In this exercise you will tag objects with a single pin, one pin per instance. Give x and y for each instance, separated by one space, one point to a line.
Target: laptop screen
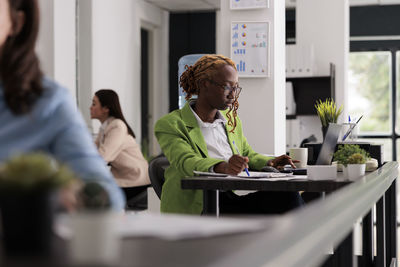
329 144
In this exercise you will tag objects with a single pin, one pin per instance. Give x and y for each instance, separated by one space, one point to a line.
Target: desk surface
142 251
213 183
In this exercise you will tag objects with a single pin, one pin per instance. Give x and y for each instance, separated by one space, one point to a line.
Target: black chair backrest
157 168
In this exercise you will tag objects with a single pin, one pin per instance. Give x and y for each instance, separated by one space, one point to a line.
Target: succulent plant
350 154
31 172
356 158
94 197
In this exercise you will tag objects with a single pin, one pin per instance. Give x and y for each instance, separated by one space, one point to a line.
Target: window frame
391 46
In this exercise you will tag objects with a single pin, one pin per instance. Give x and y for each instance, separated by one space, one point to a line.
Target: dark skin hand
234 166
281 161
237 164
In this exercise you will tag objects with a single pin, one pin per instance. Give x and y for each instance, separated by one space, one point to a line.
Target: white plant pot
321 172
354 171
94 238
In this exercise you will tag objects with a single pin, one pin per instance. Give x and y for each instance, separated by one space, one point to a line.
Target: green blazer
182 142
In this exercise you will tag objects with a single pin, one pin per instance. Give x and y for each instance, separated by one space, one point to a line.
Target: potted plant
28 186
328 113
353 159
95 238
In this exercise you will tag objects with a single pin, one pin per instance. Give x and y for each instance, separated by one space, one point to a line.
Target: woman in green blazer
209 125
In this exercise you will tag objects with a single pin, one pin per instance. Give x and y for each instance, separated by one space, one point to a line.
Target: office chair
157 168
138 202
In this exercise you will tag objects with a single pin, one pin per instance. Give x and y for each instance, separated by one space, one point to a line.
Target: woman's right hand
235 165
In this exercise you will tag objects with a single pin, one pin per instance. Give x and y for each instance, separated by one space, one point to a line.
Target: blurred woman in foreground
37 114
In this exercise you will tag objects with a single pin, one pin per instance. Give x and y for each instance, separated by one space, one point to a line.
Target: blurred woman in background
116 143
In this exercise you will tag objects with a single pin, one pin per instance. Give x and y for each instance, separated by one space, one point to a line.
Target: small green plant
327 111
350 154
93 197
356 158
33 172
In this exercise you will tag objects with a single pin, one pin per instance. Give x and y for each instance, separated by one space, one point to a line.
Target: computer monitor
328 146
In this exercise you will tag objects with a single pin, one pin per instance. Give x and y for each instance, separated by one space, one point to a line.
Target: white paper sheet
264 175
255 175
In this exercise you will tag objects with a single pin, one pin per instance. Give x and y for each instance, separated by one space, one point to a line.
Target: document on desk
270 176
264 175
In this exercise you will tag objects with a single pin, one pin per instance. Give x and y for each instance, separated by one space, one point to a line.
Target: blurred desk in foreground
161 240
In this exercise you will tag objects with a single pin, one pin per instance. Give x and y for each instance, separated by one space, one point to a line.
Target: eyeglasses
227 88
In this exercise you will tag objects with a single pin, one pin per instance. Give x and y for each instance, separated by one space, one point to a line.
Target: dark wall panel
375 20
189 33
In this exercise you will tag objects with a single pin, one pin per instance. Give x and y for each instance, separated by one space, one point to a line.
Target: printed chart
249 48
249 4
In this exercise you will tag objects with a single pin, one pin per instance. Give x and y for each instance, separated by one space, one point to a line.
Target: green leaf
327 111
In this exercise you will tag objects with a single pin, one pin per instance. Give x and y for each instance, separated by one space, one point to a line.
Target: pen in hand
237 151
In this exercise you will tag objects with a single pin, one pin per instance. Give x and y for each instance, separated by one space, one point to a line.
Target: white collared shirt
215 136
103 128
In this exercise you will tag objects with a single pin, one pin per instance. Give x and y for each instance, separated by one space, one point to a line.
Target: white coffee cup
300 154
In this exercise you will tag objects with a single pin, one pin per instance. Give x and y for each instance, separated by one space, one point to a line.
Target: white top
215 136
103 128
120 149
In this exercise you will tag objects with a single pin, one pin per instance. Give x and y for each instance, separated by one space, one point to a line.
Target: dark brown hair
205 69
109 98
19 66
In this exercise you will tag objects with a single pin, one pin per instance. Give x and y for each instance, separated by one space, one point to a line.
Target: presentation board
249 4
250 48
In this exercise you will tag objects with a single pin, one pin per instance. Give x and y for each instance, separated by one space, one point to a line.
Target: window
369 91
372 94
374 77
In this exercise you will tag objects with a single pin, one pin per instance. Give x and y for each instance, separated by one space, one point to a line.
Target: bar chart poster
249 4
250 47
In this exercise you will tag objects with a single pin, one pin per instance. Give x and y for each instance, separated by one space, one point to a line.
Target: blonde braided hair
205 69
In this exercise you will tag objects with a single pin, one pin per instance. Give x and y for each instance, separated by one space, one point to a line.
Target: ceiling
197 5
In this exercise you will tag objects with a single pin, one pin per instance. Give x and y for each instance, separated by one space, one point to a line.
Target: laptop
327 149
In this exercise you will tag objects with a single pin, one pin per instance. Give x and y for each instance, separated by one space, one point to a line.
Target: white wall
45 42
65 44
110 56
56 42
325 24
262 101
